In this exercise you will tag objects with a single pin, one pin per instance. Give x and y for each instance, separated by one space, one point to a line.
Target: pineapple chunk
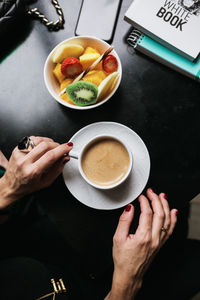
58 74
90 50
95 77
88 59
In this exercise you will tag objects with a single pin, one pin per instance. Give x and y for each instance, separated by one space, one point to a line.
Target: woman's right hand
32 171
133 253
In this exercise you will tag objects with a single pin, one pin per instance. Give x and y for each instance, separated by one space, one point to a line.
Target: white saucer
125 193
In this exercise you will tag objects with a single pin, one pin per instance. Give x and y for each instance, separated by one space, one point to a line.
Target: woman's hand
132 253
32 171
3 160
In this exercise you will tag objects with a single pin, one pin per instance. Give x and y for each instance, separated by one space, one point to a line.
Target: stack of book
167 30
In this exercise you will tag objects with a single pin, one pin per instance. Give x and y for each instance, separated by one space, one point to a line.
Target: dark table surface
160 105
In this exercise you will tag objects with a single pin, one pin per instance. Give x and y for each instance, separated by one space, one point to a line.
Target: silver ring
163 229
31 142
25 143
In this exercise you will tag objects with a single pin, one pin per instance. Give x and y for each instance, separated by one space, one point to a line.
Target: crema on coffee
105 162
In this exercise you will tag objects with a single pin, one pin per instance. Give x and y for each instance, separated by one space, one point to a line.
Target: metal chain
52 26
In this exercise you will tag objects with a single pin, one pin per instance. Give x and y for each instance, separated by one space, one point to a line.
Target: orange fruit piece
63 85
58 74
66 98
99 66
95 77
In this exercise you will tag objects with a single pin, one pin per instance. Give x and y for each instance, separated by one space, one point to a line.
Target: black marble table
159 104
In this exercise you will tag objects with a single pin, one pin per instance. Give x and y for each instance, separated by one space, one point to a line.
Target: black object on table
160 105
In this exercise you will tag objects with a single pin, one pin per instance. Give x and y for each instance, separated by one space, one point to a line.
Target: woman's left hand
133 253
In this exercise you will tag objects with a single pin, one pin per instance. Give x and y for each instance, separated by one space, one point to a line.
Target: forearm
124 288
7 197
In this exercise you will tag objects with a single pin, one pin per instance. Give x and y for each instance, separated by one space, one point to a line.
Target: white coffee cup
79 156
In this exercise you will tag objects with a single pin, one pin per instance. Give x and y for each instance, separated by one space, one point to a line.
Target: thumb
124 224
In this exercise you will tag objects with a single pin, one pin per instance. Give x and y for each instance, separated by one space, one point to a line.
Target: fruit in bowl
82 60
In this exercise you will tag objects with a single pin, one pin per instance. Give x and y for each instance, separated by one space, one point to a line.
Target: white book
173 23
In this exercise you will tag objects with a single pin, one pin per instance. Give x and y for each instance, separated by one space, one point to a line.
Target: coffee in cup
105 162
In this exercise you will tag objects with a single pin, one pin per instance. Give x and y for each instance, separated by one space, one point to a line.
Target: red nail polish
151 190
176 212
70 144
128 207
165 196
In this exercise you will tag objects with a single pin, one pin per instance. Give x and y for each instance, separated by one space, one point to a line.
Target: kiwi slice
82 93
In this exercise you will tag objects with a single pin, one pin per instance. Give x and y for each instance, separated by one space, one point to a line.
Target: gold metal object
52 26
47 295
62 285
58 287
164 230
54 285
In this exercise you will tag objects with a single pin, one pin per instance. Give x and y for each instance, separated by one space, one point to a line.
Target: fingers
50 157
124 224
158 214
167 219
162 218
43 156
173 215
38 139
40 150
145 221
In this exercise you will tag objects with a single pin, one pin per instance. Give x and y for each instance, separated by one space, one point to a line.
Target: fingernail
70 144
176 212
66 160
151 190
128 207
165 196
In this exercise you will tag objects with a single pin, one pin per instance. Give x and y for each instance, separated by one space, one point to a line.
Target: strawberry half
110 64
71 67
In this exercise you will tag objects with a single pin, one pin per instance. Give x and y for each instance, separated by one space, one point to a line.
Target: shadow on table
13 35
173 275
109 111
33 242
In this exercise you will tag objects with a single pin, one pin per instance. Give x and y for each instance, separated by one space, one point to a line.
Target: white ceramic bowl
53 85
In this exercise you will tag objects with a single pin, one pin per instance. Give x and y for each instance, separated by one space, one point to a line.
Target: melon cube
66 50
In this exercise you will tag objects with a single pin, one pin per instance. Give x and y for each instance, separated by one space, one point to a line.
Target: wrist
7 196
124 287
